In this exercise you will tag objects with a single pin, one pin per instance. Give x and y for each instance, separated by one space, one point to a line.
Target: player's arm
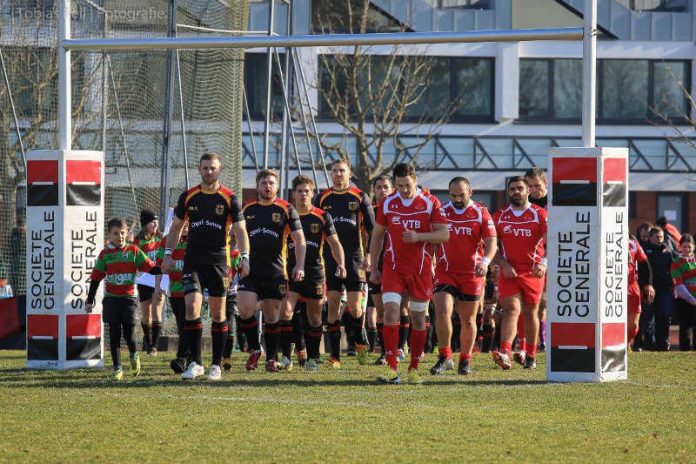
490 248
298 239
172 239
338 255
539 268
241 237
366 228
505 267
97 275
645 279
439 234
376 244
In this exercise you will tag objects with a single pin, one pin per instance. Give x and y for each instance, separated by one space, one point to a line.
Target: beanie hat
147 216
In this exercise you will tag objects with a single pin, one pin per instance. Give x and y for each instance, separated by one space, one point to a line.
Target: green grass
343 415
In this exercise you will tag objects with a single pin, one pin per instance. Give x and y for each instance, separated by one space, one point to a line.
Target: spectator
684 274
5 289
660 259
672 235
643 234
18 240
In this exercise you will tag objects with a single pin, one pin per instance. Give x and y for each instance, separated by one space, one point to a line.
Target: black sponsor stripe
42 195
614 195
613 360
82 195
574 194
82 348
572 360
42 349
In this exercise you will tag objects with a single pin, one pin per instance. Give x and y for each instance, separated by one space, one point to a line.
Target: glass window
672 207
474 87
669 90
567 88
534 89
675 6
255 83
470 4
342 16
624 89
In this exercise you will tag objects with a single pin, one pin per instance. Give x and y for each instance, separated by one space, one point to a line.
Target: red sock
463 356
505 347
532 351
416 347
633 334
445 352
390 337
522 344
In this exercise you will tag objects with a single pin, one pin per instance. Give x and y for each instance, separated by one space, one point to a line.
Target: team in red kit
423 259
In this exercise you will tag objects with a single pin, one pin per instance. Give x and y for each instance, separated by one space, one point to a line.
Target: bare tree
377 99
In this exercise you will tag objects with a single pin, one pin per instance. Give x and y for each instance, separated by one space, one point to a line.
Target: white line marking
572 347
575 181
83 183
42 337
84 337
43 183
615 182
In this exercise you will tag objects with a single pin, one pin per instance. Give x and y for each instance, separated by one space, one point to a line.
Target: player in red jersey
639 276
521 228
412 221
462 264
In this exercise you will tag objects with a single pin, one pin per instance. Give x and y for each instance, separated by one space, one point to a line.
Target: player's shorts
265 288
198 276
312 289
418 286
526 285
145 293
464 287
634 304
116 310
355 275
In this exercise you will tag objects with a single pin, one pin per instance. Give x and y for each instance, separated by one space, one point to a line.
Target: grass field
343 415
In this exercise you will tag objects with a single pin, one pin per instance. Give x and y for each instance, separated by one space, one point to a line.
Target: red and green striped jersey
684 272
176 275
149 245
119 267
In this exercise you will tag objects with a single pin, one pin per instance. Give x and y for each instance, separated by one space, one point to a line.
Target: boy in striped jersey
119 263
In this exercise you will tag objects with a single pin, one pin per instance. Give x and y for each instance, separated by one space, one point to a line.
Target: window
468 4
673 207
346 16
255 83
467 83
674 6
628 91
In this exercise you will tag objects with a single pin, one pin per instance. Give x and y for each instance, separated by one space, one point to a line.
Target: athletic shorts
265 288
464 287
198 276
355 276
418 286
117 310
634 304
526 285
145 293
312 289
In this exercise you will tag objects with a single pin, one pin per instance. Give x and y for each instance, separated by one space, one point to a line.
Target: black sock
487 332
380 342
129 337
299 322
271 334
250 327
115 344
241 336
147 343
193 331
218 333
404 326
359 329
371 338
313 342
231 338
334 331
286 336
179 310
156 332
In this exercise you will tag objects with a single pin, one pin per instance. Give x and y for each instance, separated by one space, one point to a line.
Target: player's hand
167 264
375 276
410 236
341 272
481 269
89 307
298 274
649 294
509 271
539 270
244 268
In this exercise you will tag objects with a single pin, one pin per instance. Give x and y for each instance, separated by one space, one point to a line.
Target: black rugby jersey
210 216
317 225
268 227
351 211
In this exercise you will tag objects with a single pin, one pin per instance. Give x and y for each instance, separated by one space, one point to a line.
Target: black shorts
355 277
145 293
116 310
456 293
312 289
272 289
489 289
214 277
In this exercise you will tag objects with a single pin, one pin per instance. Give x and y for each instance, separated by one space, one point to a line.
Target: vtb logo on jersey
517 232
275 217
459 230
219 210
352 205
314 228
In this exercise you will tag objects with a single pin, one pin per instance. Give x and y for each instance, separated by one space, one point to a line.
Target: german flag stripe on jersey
574 182
83 182
614 188
42 183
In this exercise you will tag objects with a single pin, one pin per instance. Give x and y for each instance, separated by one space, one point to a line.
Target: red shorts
525 285
418 286
634 304
466 284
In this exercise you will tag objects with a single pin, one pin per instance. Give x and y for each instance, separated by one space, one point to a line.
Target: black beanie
147 216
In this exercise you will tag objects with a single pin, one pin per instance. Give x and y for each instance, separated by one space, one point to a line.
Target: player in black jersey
318 228
354 219
211 211
269 221
538 194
